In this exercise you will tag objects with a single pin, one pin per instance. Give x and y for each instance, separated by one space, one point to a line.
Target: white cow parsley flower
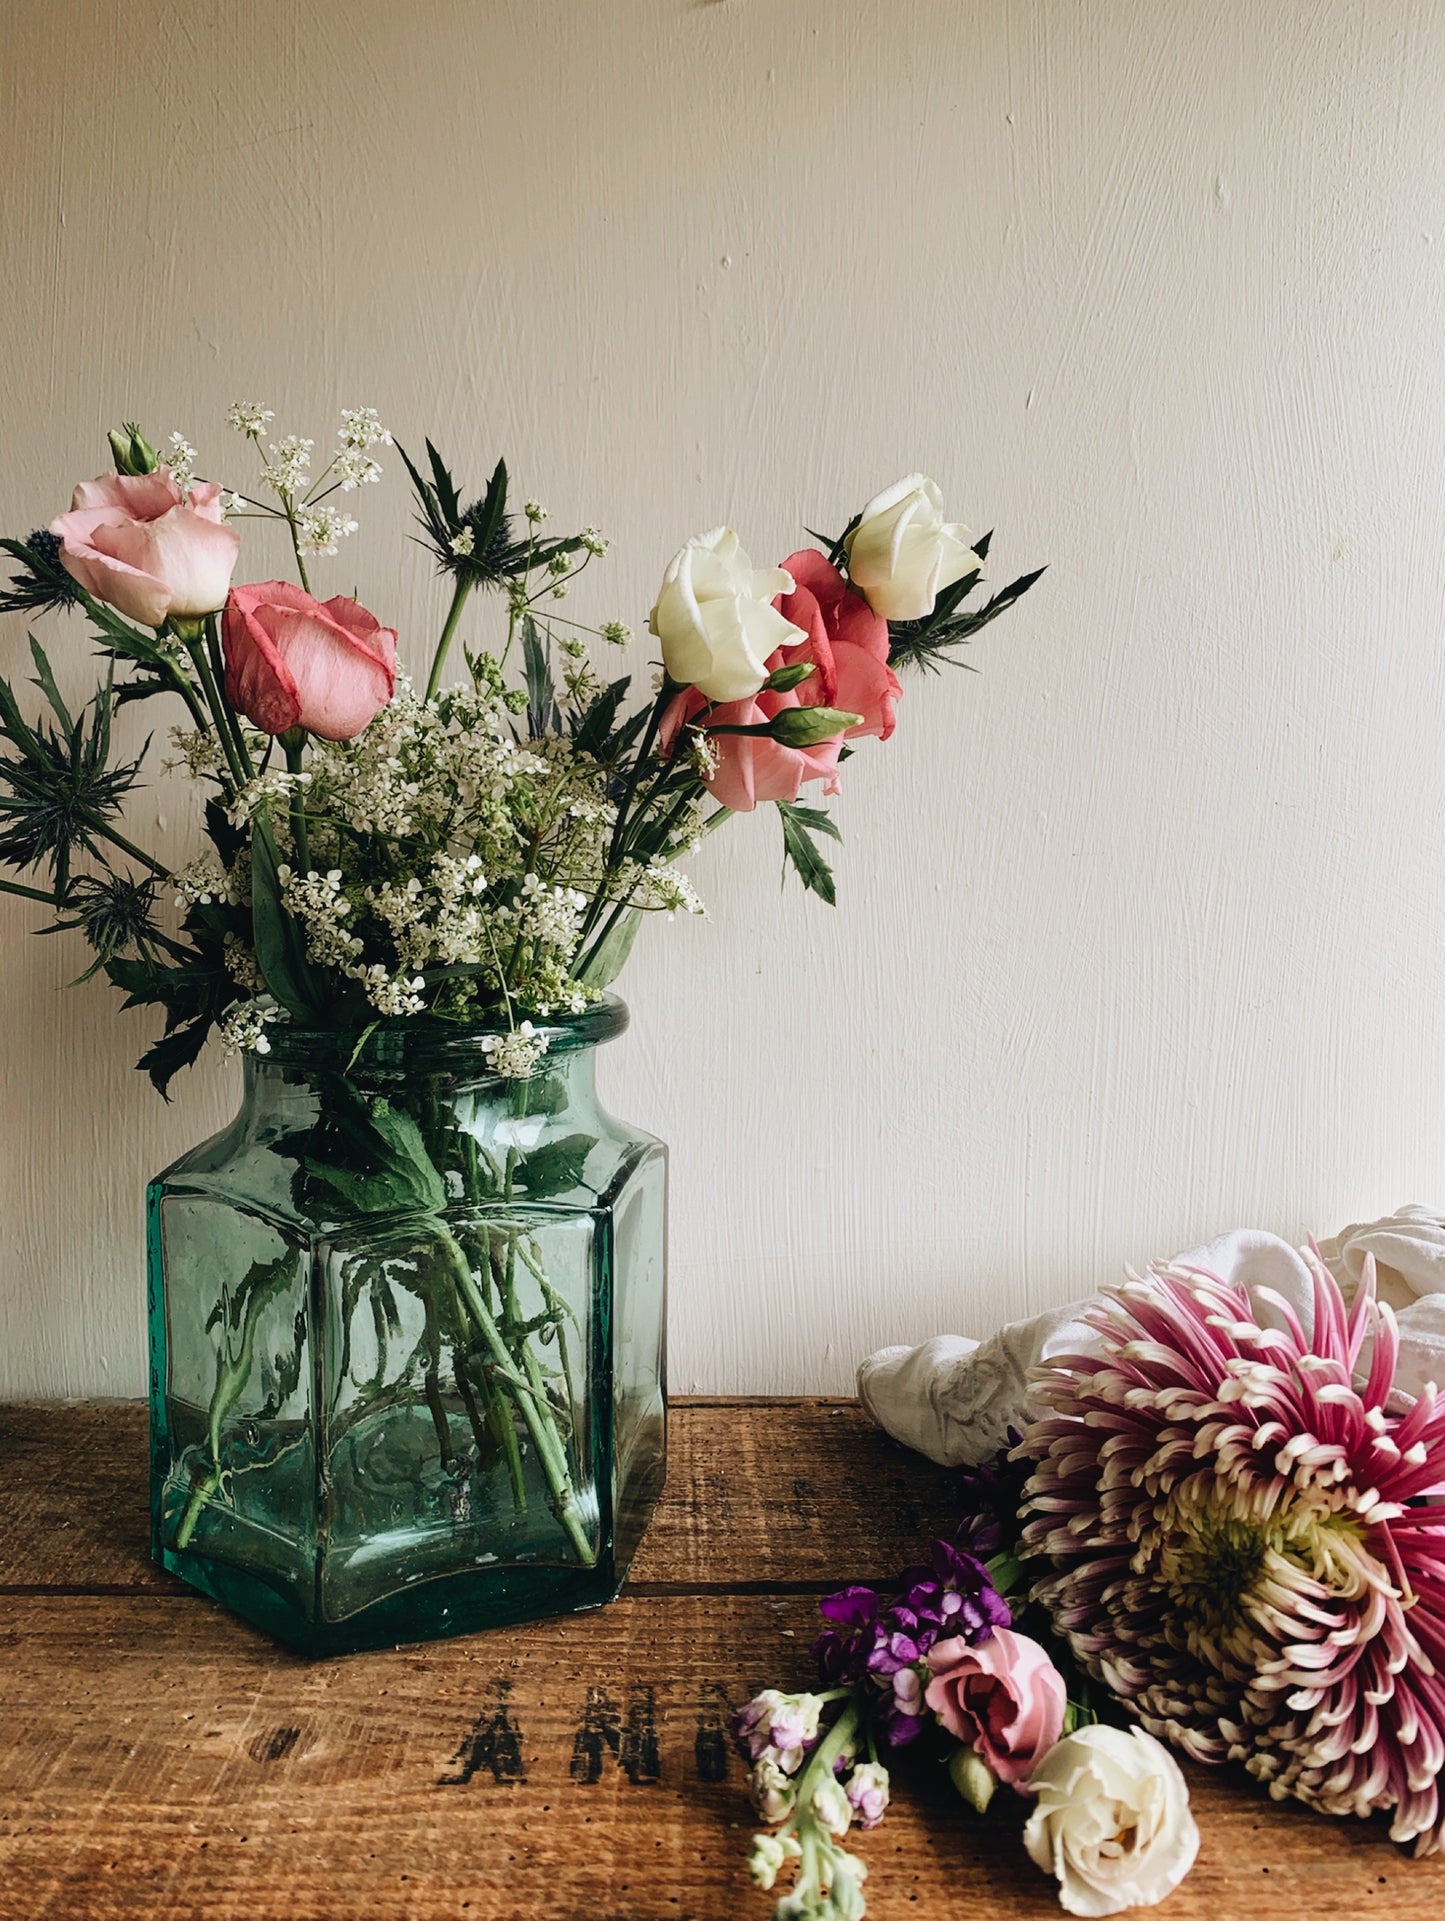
248 418
319 530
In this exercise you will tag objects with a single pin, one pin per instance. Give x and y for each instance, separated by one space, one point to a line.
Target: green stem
225 715
139 854
454 614
296 544
579 967
28 893
535 1413
231 746
293 745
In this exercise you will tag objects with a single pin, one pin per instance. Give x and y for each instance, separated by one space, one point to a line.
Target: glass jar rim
423 1043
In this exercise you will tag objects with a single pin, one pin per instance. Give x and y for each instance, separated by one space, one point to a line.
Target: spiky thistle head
1242 1544
479 544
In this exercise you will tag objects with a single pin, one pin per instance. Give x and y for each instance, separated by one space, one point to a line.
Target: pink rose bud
137 541
1002 1697
291 661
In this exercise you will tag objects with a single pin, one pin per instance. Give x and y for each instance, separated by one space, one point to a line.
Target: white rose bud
715 617
1111 1820
902 553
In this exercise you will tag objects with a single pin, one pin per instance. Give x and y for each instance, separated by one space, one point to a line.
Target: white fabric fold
954 1399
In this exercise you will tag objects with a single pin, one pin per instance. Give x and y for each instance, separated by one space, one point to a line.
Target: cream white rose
903 553
1111 1820
715 617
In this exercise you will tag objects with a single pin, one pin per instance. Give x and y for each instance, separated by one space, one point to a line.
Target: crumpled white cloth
955 1399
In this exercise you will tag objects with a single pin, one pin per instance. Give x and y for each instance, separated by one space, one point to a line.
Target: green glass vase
407 1338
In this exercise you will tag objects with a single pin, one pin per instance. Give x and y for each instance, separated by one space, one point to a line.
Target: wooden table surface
160 1759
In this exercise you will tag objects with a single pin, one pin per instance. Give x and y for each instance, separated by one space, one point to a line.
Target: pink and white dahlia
1245 1540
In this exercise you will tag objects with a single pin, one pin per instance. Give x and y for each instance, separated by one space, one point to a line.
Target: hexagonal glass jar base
407 1328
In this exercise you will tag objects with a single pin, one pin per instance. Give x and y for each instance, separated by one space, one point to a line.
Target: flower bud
971 1776
771 1790
132 452
787 678
867 1791
832 1807
810 726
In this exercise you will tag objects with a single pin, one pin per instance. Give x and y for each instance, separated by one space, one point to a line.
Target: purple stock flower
843 1650
992 1500
884 1640
954 1597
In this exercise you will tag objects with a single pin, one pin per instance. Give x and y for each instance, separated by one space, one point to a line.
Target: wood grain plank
757 1492
162 1761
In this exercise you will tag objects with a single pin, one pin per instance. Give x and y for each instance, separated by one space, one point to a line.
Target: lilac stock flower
867 1791
778 1727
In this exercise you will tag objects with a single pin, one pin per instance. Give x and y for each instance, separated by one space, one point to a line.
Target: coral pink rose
751 768
291 661
138 542
847 643
1002 1697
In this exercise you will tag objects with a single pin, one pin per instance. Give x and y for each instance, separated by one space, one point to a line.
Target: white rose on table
1111 1820
902 554
716 620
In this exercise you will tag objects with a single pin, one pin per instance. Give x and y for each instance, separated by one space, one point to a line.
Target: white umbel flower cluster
514 1056
243 1031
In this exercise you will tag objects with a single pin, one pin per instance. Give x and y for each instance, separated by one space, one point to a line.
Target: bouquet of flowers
470 851
1222 1529
479 849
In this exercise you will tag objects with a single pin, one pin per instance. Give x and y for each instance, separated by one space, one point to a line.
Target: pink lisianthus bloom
291 661
846 645
1002 1697
151 551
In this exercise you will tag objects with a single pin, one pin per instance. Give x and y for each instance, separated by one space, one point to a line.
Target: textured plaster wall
1140 928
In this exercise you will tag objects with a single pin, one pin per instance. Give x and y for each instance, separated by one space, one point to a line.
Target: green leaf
372 1155
817 820
446 487
596 724
991 609
227 839
488 520
537 672
609 959
798 848
555 1168
175 1050
280 951
45 681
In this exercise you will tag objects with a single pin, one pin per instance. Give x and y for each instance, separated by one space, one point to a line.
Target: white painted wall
1140 929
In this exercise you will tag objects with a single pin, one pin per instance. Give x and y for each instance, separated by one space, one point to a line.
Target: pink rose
751 768
141 544
1003 1697
291 661
847 643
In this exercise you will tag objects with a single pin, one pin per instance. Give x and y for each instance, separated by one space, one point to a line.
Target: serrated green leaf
555 1168
173 1051
798 848
537 673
